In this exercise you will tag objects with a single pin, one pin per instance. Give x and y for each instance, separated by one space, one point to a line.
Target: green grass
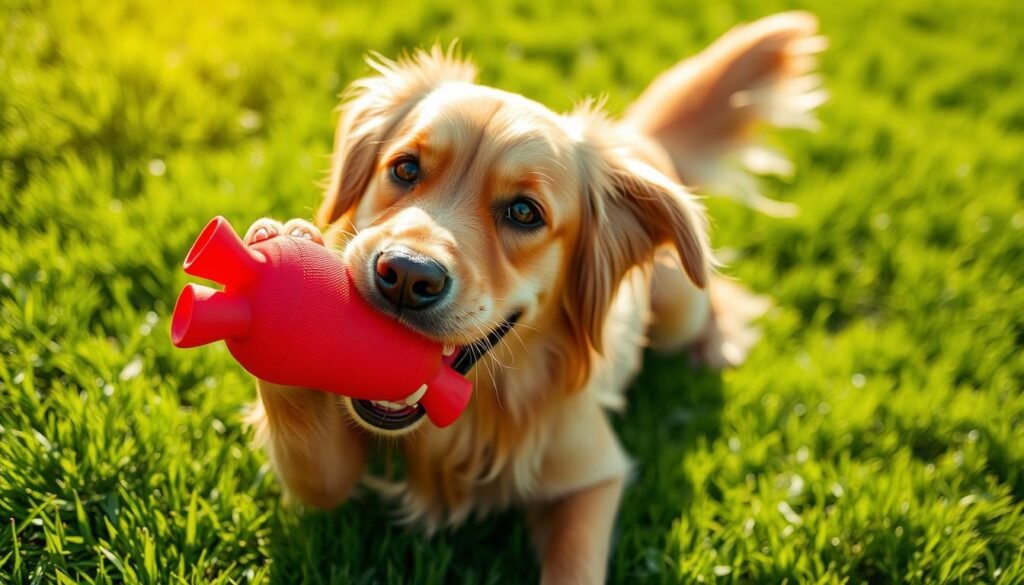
877 434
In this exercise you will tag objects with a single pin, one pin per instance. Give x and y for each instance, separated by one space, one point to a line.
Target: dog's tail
707 110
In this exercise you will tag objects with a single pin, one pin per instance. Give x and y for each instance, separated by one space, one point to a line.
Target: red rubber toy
291 315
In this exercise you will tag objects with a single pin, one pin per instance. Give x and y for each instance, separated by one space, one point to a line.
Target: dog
548 249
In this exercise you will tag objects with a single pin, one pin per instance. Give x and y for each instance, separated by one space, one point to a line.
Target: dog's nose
410 280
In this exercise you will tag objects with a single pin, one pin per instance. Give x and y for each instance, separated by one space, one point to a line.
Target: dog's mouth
388 416
401 416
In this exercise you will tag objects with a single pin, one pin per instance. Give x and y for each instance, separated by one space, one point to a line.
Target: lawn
876 434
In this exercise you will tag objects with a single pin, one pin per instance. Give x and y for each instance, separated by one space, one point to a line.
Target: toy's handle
447 396
218 254
203 315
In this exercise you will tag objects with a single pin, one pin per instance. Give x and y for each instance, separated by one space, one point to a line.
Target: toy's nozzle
220 255
447 396
203 315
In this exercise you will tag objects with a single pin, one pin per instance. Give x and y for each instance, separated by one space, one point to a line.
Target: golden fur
592 284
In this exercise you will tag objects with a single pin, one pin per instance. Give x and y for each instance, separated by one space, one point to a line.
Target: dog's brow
528 161
528 179
474 150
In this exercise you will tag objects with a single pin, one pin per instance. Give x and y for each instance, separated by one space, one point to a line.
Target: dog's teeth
389 405
416 396
448 349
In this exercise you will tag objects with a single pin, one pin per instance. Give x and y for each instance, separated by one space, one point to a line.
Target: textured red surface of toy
291 315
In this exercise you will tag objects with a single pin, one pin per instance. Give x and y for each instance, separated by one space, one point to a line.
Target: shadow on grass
671 407
360 543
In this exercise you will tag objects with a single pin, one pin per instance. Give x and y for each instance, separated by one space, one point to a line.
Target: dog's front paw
300 228
263 229
266 228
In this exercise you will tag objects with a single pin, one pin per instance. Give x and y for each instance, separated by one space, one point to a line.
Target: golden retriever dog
547 251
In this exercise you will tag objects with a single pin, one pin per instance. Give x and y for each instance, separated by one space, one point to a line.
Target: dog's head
464 208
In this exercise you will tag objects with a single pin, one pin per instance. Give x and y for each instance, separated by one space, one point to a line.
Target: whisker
483 335
497 395
504 343
479 353
524 326
494 382
519 338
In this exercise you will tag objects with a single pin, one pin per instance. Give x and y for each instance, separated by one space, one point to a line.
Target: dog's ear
629 209
371 112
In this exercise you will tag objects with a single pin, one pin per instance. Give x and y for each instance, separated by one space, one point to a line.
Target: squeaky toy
290 314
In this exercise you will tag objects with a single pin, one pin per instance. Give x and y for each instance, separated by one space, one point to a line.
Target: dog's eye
406 171
524 213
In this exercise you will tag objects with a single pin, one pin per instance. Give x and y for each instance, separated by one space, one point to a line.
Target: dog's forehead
509 133
458 113
453 93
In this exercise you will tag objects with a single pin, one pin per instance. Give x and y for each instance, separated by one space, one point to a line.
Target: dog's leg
679 310
715 323
578 491
573 534
317 454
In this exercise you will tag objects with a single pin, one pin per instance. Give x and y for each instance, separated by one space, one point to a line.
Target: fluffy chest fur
523 439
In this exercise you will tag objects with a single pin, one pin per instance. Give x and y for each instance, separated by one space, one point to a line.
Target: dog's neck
526 370
516 386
